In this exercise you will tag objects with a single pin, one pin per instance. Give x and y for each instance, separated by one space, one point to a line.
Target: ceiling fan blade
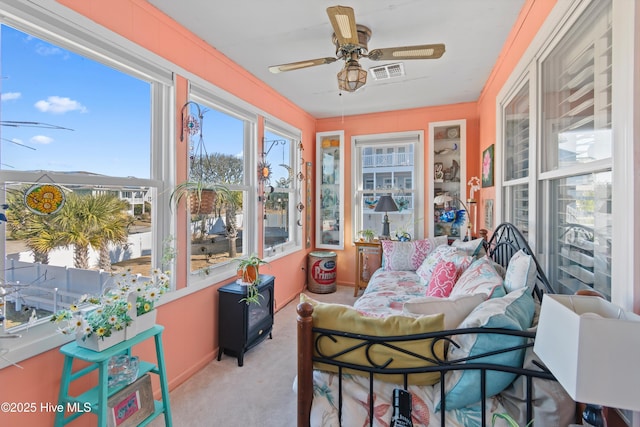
343 22
300 64
424 51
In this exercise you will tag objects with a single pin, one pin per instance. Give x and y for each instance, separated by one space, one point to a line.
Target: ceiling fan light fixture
352 77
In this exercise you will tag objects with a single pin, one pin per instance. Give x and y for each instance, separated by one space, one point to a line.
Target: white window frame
60 26
625 196
206 95
295 190
357 186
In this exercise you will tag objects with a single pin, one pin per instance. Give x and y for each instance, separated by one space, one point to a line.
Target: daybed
466 362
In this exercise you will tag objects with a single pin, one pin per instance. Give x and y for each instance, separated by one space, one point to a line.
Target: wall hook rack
273 142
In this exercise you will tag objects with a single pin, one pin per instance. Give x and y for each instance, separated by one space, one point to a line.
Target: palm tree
114 231
35 230
231 201
92 221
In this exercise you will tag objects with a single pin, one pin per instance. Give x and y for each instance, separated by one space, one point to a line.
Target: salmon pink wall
417 119
190 337
531 17
186 352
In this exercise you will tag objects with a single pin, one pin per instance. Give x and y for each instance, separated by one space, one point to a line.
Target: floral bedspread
355 407
387 291
386 294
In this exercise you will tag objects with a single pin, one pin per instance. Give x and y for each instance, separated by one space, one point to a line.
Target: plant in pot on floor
249 275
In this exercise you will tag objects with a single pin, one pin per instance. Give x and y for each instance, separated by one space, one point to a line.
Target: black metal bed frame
505 241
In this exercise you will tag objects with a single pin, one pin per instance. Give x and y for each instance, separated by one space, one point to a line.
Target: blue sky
108 112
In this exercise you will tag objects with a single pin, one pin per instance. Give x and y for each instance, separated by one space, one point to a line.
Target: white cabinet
446 173
330 190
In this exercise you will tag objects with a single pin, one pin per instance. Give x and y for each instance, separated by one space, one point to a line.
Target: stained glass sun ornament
192 124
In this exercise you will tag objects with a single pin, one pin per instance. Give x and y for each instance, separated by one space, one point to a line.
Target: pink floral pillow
442 253
408 256
442 280
480 277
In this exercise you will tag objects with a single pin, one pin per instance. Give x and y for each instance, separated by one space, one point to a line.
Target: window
573 181
220 153
388 163
80 131
516 159
576 153
283 207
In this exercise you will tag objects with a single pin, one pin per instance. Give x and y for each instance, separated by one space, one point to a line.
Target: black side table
242 326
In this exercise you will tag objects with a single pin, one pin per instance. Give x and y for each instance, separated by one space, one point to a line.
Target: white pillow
455 309
521 272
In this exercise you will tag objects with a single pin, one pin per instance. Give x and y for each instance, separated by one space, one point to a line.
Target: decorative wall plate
44 199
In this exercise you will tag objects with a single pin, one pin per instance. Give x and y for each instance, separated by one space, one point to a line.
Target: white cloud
47 50
41 139
10 96
59 105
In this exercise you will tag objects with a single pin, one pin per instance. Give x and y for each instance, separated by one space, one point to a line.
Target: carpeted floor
257 394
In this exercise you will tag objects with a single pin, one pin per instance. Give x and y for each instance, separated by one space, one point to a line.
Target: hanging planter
200 194
202 203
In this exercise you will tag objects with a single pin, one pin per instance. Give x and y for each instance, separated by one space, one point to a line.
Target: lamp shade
386 204
352 77
592 347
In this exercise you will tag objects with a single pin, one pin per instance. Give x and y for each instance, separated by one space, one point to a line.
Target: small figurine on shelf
455 168
439 172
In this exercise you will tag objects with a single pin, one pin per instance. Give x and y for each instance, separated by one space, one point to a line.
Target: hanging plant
201 195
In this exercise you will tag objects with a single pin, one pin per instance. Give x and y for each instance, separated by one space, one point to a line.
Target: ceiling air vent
388 71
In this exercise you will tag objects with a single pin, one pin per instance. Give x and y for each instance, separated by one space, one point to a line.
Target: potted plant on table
367 235
97 322
249 275
118 309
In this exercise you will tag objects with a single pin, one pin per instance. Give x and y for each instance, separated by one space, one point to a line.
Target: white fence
55 285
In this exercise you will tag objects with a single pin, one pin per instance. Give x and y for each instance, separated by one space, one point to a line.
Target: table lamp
592 347
386 204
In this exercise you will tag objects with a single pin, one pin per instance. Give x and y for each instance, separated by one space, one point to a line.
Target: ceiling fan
351 42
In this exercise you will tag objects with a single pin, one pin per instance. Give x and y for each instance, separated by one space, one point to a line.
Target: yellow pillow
347 319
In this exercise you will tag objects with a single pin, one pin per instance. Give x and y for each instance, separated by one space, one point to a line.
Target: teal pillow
513 311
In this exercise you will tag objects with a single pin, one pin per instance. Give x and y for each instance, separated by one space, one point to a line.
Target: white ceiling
258 33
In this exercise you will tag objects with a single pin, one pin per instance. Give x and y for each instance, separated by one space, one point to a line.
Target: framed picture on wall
488 214
487 167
